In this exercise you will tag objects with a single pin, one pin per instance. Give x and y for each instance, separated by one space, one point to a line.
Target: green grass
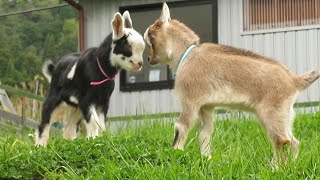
240 151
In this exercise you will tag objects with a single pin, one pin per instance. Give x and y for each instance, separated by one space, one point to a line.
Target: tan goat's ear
117 26
165 13
127 20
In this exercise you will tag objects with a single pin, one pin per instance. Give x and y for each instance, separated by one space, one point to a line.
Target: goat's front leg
102 118
206 118
182 128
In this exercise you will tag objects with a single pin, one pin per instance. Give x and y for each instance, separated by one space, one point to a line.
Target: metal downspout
81 22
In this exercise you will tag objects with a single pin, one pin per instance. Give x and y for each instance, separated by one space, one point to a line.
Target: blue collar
183 58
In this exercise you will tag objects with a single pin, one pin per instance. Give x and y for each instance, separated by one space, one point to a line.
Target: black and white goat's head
128 44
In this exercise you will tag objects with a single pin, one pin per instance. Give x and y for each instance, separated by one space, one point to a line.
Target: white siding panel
247 42
89 32
174 105
122 109
301 51
134 103
161 94
268 45
278 48
97 18
105 19
114 102
235 21
312 55
257 44
289 51
224 16
302 61
154 100
163 101
318 61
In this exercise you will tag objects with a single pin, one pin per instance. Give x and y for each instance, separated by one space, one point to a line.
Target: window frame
167 84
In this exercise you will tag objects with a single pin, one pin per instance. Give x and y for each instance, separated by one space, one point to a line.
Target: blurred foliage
28 39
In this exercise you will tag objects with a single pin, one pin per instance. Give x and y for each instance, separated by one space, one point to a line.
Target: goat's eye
128 45
151 38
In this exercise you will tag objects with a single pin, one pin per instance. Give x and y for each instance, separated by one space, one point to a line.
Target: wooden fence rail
18 122
21 93
9 118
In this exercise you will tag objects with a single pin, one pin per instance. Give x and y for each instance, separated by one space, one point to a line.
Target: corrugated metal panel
235 22
224 16
290 50
257 44
246 42
318 61
298 50
278 47
268 45
301 61
312 47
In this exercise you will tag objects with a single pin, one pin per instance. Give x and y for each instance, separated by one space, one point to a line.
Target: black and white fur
70 79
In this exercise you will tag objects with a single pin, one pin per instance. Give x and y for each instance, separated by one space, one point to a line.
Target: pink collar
105 75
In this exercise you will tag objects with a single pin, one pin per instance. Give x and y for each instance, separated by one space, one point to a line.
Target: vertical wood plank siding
267 14
296 49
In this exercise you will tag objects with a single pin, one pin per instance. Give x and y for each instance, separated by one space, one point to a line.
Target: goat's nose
140 64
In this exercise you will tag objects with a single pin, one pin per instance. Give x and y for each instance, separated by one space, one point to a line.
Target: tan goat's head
157 40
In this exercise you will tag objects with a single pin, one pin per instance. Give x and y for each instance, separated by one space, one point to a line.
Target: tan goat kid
215 75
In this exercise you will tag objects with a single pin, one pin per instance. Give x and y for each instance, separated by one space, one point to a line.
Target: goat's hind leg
42 134
92 120
294 142
70 130
278 124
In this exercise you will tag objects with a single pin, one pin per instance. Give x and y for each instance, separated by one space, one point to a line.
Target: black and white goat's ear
127 20
117 26
165 13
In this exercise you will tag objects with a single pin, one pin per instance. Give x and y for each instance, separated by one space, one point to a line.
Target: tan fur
217 75
70 129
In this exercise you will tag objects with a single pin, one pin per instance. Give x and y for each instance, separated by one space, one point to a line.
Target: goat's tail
47 69
306 79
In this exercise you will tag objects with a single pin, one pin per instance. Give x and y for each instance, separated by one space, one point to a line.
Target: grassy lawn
240 151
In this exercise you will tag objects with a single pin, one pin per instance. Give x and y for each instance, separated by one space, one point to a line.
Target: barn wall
297 49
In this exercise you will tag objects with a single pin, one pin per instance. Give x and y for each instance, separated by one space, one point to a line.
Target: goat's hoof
40 144
209 157
178 148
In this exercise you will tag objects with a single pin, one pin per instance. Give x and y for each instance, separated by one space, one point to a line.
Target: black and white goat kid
85 80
